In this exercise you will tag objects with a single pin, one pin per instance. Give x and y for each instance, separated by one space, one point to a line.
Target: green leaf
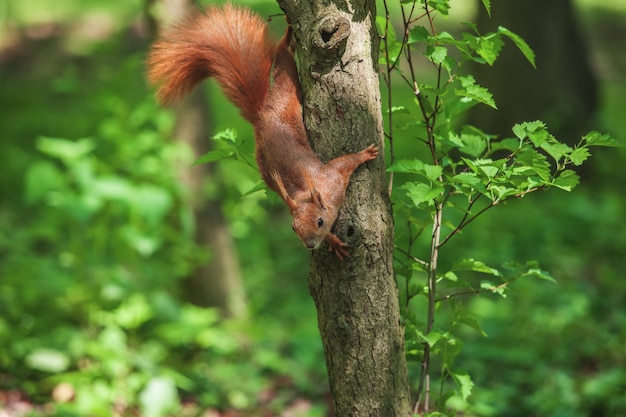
159 398
445 37
536 129
487 5
413 166
476 266
394 46
579 155
473 145
48 360
489 170
538 273
496 289
259 186
227 135
42 179
441 6
472 90
133 312
520 43
451 276
430 338
471 25
400 109
508 144
418 34
422 193
473 323
64 149
594 138
489 48
536 161
567 180
556 149
433 172
498 192
467 178
215 155
464 382
436 53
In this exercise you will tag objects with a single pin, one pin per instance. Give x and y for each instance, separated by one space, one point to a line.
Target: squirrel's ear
282 191
317 198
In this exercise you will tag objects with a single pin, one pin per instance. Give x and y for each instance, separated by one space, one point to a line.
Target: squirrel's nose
311 244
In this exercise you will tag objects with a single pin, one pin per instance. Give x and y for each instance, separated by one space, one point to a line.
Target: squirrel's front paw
371 152
337 245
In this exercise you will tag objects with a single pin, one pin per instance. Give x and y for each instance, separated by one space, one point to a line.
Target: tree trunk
218 282
562 91
356 300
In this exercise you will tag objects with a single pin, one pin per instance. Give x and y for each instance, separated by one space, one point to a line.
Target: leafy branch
465 168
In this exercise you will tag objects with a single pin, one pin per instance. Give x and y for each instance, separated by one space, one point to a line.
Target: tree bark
356 300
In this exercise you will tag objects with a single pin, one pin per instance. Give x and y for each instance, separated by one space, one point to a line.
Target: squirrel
259 75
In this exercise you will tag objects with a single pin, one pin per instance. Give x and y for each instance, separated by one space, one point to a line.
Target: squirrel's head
312 217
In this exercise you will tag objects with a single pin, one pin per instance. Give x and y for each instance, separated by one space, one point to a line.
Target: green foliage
461 173
96 238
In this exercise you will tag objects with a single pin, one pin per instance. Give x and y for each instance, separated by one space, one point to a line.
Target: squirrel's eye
320 222
293 227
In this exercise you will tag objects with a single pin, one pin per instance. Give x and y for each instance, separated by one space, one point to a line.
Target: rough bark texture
356 300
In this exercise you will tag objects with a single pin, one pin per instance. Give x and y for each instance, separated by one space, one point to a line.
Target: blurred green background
103 286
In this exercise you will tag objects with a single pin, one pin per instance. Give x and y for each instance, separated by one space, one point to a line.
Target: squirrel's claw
337 245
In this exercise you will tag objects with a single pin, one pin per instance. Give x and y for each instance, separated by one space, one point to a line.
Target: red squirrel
259 76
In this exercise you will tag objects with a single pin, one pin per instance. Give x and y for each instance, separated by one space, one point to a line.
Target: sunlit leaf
579 155
536 161
436 53
520 43
489 48
522 130
441 6
473 323
48 360
414 166
473 145
464 382
472 90
433 172
491 287
476 266
487 6
556 149
594 138
467 178
64 149
159 398
422 193
394 47
215 155
418 34
567 180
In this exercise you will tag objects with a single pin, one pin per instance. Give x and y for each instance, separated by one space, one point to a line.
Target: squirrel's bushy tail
227 43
